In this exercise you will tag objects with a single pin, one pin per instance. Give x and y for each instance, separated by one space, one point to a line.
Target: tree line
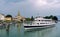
46 17
55 18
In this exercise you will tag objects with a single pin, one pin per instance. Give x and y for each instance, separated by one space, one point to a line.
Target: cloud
44 3
31 7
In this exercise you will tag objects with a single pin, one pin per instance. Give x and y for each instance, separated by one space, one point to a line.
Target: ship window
39 20
42 23
36 20
37 23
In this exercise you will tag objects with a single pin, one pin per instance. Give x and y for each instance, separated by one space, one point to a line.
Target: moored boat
40 22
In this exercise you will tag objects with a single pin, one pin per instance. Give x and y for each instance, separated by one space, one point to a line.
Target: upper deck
41 19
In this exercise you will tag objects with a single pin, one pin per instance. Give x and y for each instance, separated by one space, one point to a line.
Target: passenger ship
40 22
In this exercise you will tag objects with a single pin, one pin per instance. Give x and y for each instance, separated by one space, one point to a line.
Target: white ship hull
38 26
40 22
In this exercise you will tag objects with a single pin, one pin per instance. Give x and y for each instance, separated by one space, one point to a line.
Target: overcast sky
29 8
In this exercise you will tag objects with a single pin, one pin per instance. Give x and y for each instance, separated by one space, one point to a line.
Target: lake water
17 30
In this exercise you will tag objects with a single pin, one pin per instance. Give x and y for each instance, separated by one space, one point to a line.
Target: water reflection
20 30
18 26
7 30
13 30
17 30
39 33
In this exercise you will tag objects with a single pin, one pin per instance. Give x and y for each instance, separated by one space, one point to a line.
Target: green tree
55 18
32 18
51 17
8 16
28 19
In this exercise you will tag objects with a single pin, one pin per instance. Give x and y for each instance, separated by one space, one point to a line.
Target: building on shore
2 17
19 17
8 18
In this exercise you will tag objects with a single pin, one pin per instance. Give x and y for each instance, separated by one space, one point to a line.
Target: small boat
40 22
